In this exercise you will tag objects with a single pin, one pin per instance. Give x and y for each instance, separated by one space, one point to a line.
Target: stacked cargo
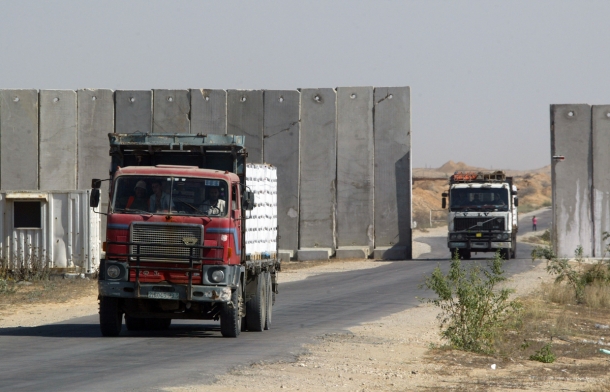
261 223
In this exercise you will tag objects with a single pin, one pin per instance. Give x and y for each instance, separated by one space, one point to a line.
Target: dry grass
561 294
49 291
597 296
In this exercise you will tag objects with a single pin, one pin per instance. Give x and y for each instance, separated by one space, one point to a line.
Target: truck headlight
502 236
456 236
113 272
217 276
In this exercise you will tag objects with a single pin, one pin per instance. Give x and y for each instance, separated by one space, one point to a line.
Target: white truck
482 213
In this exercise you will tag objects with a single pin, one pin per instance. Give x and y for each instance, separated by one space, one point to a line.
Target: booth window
26 214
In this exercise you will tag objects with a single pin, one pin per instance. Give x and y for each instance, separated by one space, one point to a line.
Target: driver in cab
213 205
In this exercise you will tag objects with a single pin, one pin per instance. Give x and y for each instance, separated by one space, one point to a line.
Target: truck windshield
463 199
176 195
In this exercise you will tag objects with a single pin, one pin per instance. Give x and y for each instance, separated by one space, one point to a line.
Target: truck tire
505 254
464 254
230 317
268 315
256 307
111 317
135 323
514 254
157 324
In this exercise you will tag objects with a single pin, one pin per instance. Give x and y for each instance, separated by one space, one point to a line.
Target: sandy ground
390 354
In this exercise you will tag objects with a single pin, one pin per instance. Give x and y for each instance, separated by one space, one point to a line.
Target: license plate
479 235
162 295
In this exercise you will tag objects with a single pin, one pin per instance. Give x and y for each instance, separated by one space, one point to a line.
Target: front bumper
198 293
482 245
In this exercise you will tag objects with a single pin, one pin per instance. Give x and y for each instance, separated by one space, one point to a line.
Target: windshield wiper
133 211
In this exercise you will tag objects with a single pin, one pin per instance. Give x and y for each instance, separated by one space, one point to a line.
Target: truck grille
165 234
472 224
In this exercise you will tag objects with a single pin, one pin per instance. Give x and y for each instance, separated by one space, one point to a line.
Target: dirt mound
451 167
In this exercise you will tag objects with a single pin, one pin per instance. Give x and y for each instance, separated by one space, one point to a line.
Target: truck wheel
514 253
465 254
111 317
135 323
255 308
157 324
269 300
230 317
505 254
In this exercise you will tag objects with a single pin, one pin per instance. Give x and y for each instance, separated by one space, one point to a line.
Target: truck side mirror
516 202
96 183
444 202
248 200
94 199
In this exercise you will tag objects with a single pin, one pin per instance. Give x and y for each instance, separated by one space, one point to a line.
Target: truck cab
482 214
175 237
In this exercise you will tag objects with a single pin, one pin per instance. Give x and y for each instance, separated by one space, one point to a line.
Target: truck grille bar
173 241
478 223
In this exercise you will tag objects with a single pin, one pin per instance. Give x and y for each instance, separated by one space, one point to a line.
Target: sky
482 73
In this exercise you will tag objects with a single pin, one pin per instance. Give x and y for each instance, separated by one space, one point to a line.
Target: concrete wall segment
571 178
245 117
133 111
208 111
318 181
18 139
281 149
392 130
95 122
355 167
600 117
58 140
171 111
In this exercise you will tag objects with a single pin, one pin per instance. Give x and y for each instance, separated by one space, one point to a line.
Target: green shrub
472 309
544 355
6 287
578 276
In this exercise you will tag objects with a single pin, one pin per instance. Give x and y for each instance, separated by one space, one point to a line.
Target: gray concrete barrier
19 139
208 112
57 143
343 156
392 173
281 149
571 178
355 172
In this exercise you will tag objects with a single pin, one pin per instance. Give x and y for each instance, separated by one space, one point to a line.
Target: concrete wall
343 156
355 166
19 139
281 149
579 134
392 172
318 189
600 117
57 140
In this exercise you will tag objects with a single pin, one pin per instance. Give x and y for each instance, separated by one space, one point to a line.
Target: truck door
236 215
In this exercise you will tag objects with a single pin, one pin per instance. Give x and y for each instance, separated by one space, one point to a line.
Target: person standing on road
534 223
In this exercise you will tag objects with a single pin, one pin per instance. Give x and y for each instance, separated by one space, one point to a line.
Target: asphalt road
71 356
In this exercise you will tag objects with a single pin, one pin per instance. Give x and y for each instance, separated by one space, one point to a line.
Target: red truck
184 237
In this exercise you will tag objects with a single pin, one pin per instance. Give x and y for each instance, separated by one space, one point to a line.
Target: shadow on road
93 331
